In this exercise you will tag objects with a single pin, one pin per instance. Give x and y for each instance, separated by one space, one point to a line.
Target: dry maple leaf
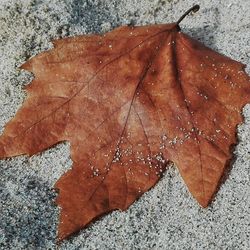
129 102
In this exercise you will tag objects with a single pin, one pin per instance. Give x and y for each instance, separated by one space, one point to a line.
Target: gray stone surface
167 217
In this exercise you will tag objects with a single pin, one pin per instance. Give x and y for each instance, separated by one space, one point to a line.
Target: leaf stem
194 9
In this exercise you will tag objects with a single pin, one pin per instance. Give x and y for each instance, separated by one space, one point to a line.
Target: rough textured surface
166 217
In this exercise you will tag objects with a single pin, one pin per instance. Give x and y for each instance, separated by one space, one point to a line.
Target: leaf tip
204 202
26 66
66 228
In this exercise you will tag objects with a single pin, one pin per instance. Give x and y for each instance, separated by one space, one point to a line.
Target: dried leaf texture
129 102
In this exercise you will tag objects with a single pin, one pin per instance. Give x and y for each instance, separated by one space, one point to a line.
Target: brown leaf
129 102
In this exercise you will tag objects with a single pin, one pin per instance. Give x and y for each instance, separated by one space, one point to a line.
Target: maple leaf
129 102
